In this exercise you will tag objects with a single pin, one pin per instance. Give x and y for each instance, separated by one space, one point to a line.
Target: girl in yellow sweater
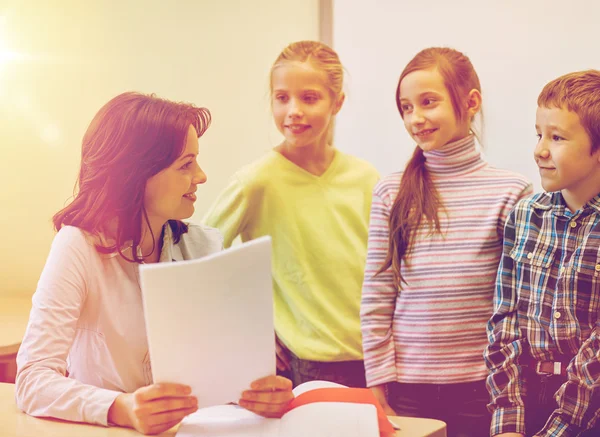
314 201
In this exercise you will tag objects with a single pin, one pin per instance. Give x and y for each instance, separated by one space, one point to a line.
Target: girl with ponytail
435 240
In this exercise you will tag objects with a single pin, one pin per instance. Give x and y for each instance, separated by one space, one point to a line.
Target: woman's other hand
269 396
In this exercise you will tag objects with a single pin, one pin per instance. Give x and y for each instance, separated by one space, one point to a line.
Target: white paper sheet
227 421
210 321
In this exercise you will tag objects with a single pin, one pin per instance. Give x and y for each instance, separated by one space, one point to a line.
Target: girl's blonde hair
322 58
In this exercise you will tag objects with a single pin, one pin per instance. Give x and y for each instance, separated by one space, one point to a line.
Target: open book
320 409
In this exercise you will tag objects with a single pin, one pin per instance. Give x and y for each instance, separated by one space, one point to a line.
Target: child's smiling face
564 156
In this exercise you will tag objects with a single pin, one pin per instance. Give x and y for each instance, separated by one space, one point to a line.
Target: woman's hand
154 408
283 356
379 392
268 396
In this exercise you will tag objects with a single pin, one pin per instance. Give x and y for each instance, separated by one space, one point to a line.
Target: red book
345 394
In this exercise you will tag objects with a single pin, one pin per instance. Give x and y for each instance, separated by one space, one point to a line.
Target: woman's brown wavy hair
131 138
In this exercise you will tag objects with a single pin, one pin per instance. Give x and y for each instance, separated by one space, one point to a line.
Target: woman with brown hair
85 357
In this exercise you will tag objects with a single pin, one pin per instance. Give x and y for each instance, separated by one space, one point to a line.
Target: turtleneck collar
454 159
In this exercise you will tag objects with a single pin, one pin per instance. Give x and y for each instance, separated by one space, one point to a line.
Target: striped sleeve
378 299
526 190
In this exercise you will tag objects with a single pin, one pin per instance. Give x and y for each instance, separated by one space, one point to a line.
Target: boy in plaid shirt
544 351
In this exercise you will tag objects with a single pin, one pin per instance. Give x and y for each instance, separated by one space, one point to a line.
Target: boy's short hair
578 92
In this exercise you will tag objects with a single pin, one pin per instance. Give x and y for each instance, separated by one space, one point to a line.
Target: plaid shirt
546 305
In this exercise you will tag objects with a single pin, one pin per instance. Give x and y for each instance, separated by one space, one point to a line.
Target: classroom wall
61 60
516 47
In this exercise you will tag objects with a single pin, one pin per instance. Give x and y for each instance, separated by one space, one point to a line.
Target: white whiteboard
516 46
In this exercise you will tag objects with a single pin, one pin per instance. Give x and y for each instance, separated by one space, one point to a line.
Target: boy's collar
545 201
594 202
555 200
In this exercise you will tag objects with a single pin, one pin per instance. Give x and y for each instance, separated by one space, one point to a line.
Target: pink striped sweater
433 331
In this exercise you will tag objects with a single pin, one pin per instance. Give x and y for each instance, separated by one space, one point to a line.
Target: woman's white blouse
87 319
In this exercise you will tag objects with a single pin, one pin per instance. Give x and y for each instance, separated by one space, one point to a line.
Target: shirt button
573 224
529 255
557 314
597 267
562 270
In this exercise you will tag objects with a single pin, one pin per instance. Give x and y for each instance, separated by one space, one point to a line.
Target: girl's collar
455 158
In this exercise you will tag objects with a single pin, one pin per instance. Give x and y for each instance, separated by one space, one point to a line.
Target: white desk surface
14 423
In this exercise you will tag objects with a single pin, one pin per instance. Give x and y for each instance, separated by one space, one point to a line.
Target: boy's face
564 155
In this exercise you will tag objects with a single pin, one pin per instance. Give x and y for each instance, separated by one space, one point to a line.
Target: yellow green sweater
319 227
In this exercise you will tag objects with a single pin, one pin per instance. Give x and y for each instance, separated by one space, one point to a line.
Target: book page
227 421
210 321
311 385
